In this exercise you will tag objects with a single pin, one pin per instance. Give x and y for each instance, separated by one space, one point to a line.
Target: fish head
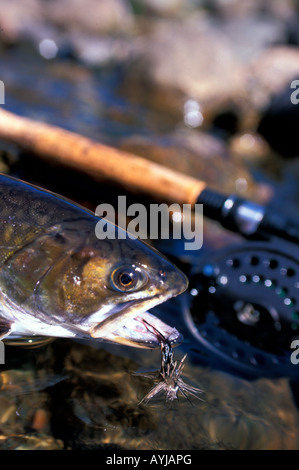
133 284
113 285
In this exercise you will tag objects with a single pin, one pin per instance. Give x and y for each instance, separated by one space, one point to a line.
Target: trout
57 279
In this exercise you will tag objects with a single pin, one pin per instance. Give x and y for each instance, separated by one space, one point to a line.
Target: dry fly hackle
169 378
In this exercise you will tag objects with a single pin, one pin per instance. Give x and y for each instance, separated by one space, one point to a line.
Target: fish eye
126 278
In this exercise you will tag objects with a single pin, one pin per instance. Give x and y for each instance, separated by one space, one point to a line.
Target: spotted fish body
57 279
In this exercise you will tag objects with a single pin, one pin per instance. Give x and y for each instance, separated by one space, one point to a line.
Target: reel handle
247 218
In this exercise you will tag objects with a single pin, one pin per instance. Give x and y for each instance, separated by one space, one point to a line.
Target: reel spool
243 307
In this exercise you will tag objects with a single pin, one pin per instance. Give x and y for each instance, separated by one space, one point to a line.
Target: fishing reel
242 307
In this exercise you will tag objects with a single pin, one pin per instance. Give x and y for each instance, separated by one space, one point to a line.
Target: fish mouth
130 326
136 332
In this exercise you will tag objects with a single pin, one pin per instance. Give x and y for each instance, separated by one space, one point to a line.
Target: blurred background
203 87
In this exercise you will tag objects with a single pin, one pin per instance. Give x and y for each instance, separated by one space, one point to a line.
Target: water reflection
76 396
193 116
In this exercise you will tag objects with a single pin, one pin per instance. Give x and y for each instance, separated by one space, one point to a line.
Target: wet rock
182 60
37 19
27 442
251 35
24 414
202 156
99 50
236 9
168 8
90 16
250 148
249 415
16 18
202 59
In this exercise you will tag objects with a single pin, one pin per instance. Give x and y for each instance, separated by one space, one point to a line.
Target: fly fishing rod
141 176
243 302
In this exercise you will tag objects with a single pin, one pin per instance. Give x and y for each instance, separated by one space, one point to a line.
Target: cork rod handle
101 162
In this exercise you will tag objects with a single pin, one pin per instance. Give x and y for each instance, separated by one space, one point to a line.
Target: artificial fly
169 378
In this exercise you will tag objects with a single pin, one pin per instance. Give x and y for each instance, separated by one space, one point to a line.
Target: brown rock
202 156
